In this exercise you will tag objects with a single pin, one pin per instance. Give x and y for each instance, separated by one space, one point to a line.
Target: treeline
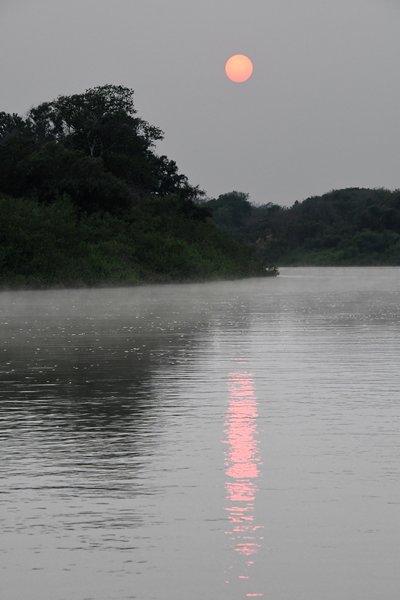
85 199
353 226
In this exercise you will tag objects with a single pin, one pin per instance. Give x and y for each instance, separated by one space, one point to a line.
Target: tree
231 210
99 120
12 125
87 139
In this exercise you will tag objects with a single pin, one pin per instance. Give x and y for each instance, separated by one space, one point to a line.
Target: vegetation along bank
86 200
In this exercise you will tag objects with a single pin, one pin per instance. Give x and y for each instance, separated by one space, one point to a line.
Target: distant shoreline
108 285
104 285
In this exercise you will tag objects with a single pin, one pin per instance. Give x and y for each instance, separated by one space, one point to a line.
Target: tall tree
100 125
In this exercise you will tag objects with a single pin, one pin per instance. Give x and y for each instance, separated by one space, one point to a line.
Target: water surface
223 441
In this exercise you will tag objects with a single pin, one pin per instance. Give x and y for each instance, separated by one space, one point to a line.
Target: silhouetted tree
91 146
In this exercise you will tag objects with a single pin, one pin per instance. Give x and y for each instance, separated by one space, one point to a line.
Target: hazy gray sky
321 111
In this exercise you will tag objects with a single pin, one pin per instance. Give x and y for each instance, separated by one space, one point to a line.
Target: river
216 441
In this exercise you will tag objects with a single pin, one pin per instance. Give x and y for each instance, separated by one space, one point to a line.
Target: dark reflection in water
112 408
80 430
242 468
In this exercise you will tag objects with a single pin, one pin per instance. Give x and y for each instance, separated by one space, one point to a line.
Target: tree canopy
91 147
85 199
344 227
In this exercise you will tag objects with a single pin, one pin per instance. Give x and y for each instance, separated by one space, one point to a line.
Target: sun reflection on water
242 469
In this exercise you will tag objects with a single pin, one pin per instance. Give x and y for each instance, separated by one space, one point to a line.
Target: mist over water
227 440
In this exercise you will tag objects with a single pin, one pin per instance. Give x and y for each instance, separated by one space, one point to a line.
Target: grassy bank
55 245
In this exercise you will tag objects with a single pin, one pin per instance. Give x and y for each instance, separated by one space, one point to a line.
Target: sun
239 68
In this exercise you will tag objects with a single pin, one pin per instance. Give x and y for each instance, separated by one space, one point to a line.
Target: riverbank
348 227
53 245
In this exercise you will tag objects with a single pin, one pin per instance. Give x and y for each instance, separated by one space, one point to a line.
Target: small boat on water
271 271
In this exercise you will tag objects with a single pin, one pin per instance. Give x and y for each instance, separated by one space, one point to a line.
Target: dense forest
352 226
86 200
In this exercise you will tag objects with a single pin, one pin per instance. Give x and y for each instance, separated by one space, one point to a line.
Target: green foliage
50 171
53 244
85 200
230 211
91 146
99 120
345 227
